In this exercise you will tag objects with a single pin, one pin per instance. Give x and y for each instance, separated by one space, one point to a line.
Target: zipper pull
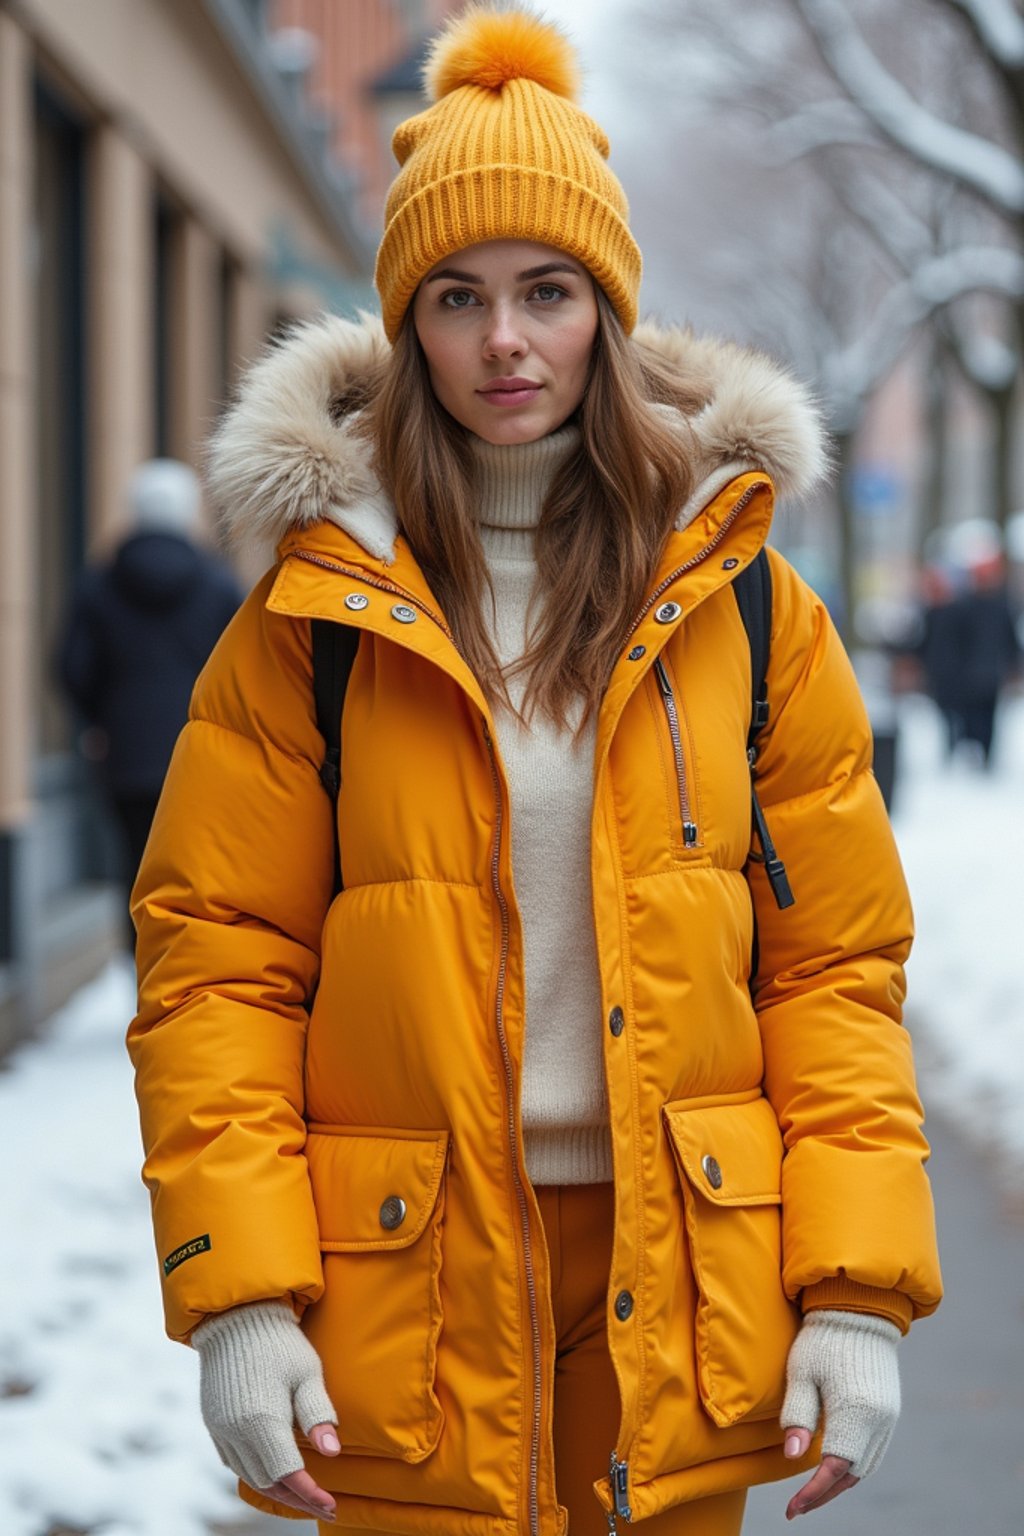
779 882
689 834
618 1476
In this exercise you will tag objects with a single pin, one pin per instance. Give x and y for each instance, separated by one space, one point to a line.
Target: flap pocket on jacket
379 1198
729 1156
373 1192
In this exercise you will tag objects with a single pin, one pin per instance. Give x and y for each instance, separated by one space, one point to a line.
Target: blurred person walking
969 650
140 628
552 1151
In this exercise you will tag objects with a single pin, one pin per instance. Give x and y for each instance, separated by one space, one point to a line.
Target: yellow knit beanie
503 153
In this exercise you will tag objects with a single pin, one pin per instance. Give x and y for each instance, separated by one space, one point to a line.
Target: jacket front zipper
506 1055
619 1472
619 1469
524 1210
618 1478
502 1040
668 698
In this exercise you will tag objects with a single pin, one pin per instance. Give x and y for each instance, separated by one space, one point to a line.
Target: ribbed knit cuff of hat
258 1376
845 1363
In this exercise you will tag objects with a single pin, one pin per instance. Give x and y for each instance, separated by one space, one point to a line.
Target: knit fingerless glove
258 1376
845 1362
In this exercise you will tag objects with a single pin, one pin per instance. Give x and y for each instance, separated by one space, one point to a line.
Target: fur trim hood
285 455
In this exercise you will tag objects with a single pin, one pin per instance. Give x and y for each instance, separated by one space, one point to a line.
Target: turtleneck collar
512 480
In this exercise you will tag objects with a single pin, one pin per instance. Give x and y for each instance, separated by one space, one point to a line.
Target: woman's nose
504 337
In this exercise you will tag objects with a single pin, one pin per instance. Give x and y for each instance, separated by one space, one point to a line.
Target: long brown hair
601 531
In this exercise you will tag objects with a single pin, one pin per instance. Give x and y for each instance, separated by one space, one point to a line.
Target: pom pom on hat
486 47
503 153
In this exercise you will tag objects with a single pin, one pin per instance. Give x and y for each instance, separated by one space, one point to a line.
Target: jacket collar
288 456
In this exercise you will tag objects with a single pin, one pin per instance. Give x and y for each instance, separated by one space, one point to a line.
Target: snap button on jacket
329 1088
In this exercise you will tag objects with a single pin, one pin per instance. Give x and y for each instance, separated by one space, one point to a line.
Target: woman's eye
549 293
458 298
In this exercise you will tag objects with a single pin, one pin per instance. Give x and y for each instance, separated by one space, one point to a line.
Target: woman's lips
518 393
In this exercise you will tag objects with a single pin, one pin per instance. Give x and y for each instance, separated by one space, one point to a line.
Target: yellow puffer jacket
302 1062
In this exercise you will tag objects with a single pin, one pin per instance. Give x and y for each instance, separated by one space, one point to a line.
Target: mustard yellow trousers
578 1223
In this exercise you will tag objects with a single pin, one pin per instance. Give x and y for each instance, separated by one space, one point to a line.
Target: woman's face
508 329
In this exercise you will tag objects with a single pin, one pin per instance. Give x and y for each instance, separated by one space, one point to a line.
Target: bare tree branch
999 26
725 65
976 163
986 362
819 125
853 374
888 219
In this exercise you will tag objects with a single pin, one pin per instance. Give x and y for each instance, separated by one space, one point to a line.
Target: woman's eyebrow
549 266
453 275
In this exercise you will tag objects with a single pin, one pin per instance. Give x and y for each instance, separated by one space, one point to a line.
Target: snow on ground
961 835
99 1429
99 1424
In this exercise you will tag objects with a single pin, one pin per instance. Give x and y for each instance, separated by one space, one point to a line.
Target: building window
59 307
227 341
168 220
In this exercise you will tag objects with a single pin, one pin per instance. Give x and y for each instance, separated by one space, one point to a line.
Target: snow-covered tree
974 145
907 124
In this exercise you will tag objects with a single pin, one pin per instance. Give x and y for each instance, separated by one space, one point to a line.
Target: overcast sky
587 23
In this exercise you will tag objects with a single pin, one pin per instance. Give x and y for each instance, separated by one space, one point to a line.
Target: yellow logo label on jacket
187 1251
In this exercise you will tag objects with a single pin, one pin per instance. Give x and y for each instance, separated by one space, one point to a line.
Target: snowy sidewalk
99 1426
956 1462
961 836
99 1429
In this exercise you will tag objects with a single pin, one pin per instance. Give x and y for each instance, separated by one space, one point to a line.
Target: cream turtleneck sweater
564 1104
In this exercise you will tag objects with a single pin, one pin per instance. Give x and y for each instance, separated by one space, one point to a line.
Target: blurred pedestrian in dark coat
140 628
969 650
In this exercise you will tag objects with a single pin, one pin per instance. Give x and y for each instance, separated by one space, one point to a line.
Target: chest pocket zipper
686 808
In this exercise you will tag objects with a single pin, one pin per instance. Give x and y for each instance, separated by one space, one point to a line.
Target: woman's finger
845 1482
798 1441
832 1471
318 1499
284 1495
312 1496
324 1437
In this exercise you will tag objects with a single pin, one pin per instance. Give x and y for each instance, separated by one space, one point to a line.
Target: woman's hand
830 1479
259 1375
299 1490
844 1363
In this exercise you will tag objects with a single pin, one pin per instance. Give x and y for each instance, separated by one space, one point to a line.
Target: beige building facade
171 193
368 55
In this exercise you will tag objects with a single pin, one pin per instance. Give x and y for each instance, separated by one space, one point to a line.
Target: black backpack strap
753 592
753 589
334 651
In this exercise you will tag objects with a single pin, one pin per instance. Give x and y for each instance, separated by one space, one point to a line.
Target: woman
510 1136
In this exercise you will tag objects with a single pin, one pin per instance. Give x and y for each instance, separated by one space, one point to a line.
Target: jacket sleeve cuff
848 1296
